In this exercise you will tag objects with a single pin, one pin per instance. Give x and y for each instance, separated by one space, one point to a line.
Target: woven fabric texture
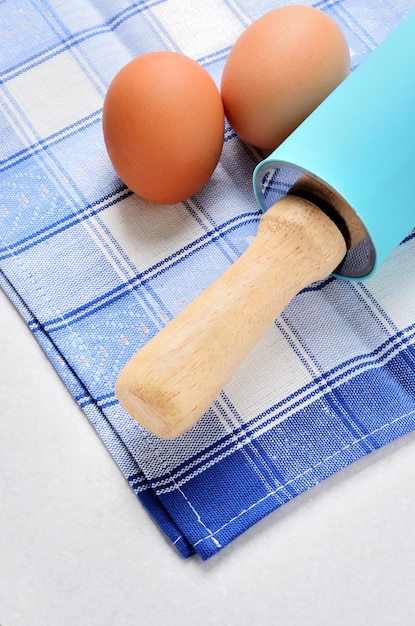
96 271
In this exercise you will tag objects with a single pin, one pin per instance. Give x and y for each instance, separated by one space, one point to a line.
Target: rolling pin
337 197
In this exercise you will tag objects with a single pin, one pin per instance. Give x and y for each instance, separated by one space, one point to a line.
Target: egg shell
163 126
279 70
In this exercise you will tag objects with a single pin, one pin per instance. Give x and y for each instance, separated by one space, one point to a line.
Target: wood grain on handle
172 381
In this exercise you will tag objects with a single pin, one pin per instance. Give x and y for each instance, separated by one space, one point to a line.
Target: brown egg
163 125
279 70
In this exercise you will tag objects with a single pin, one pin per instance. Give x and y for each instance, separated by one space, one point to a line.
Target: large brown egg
163 125
279 70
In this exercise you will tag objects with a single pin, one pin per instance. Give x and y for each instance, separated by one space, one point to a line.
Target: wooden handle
172 381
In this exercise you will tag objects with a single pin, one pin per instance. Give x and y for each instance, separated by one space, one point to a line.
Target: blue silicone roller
358 147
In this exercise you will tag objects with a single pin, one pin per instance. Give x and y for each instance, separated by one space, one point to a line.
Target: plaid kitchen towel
96 271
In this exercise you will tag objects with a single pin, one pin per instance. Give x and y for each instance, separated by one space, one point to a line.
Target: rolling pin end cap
132 398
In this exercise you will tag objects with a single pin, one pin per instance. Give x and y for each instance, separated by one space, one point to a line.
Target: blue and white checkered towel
96 271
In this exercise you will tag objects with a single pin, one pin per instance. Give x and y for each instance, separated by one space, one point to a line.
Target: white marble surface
78 549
